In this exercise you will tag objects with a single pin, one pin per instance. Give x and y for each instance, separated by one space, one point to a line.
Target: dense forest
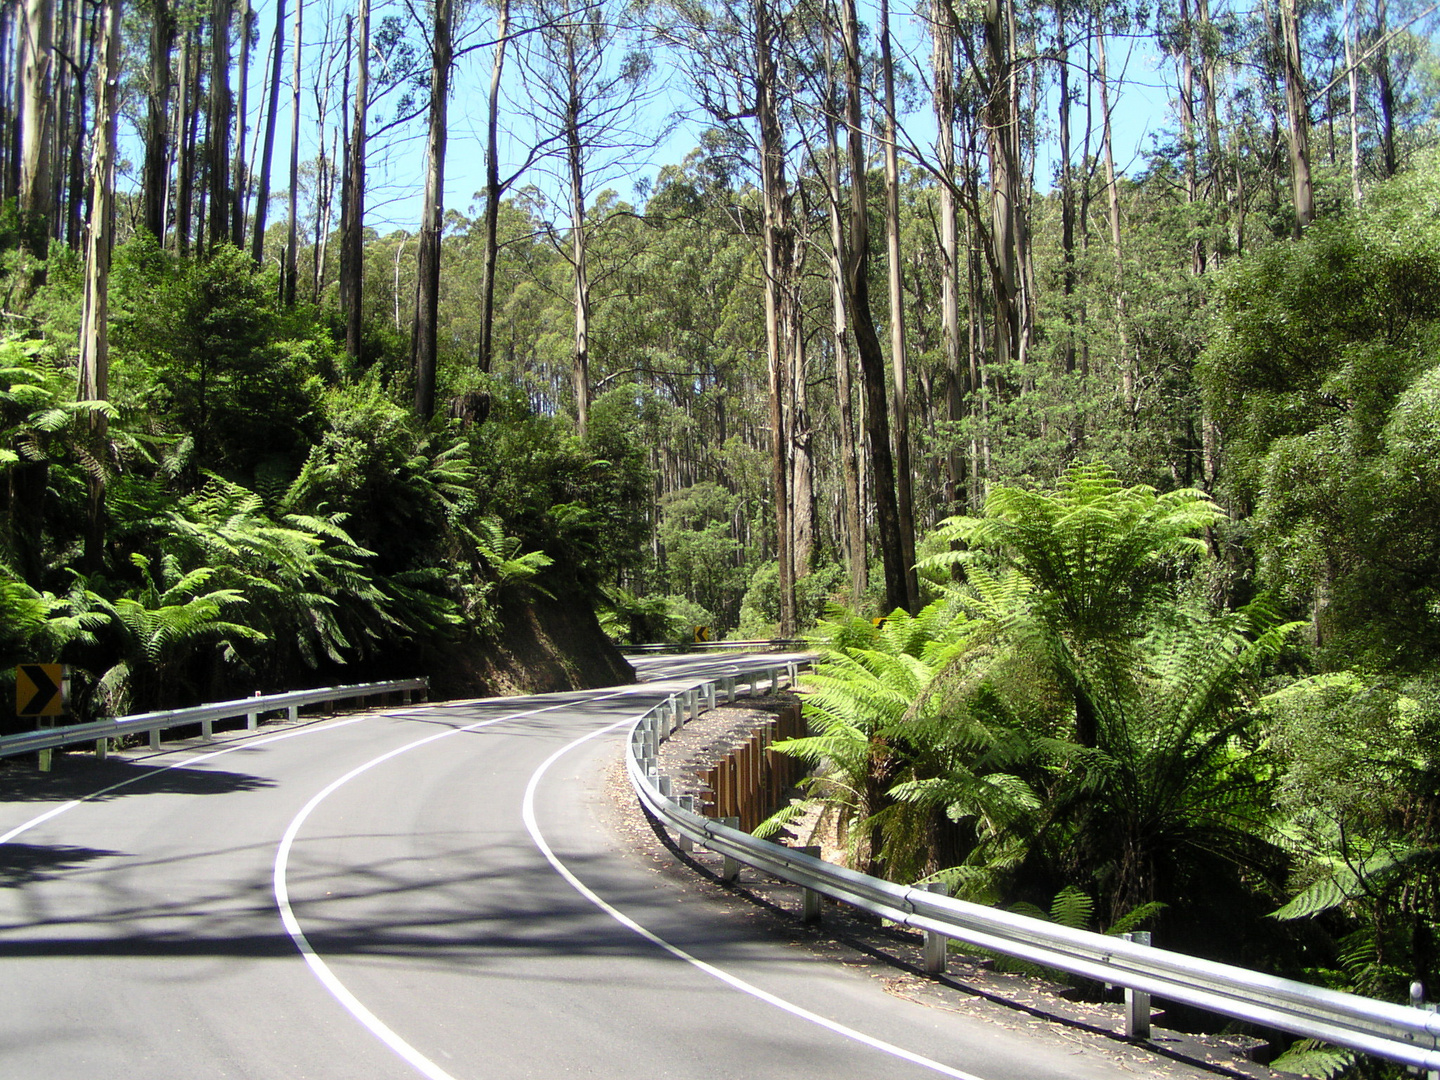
1108 489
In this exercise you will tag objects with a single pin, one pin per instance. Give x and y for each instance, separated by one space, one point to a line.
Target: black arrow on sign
46 689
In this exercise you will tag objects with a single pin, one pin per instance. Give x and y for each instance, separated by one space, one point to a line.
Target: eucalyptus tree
218 112
262 192
862 326
37 120
588 82
424 346
95 319
728 52
352 194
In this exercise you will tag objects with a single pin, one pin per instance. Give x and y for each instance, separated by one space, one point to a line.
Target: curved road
430 891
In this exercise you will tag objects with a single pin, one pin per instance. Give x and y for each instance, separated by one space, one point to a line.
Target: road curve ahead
430 891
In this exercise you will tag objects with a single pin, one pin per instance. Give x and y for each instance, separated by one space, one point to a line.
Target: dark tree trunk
292 233
163 28
218 167
267 153
242 105
493 191
867 342
425 346
352 243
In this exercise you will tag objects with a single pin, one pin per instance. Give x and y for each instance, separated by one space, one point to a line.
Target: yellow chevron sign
40 690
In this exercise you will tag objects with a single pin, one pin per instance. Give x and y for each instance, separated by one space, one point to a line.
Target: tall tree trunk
267 154
1297 110
292 230
8 126
802 467
1352 31
579 239
778 247
485 348
856 554
157 125
867 342
1189 133
37 122
904 500
1004 186
188 119
1069 274
425 345
94 339
222 14
83 45
943 66
242 106
1220 194
352 243
1384 86
1124 360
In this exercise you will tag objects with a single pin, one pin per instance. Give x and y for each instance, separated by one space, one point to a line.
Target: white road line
724 976
322 970
184 763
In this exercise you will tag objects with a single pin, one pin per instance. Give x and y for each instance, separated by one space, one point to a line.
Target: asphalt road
433 891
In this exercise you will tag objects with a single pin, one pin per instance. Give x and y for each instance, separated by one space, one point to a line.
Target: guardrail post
102 749
252 719
692 697
682 841
155 739
676 715
937 945
652 737
207 730
1137 1002
809 898
1417 1000
729 865
728 682
294 711
709 695
663 783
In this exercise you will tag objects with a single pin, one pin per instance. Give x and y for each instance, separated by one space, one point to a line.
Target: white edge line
734 981
185 763
322 970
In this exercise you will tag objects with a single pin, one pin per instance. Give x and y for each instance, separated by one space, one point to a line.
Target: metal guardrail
1398 1033
706 646
153 723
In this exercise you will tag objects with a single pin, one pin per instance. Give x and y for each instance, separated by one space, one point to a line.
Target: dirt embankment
547 645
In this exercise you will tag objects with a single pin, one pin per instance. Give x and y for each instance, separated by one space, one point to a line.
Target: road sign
40 690
879 622
702 633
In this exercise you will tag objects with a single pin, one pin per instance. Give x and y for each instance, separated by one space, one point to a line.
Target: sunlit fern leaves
157 628
1093 547
1310 1058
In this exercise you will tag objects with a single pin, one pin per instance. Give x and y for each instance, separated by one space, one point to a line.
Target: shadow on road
97 781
